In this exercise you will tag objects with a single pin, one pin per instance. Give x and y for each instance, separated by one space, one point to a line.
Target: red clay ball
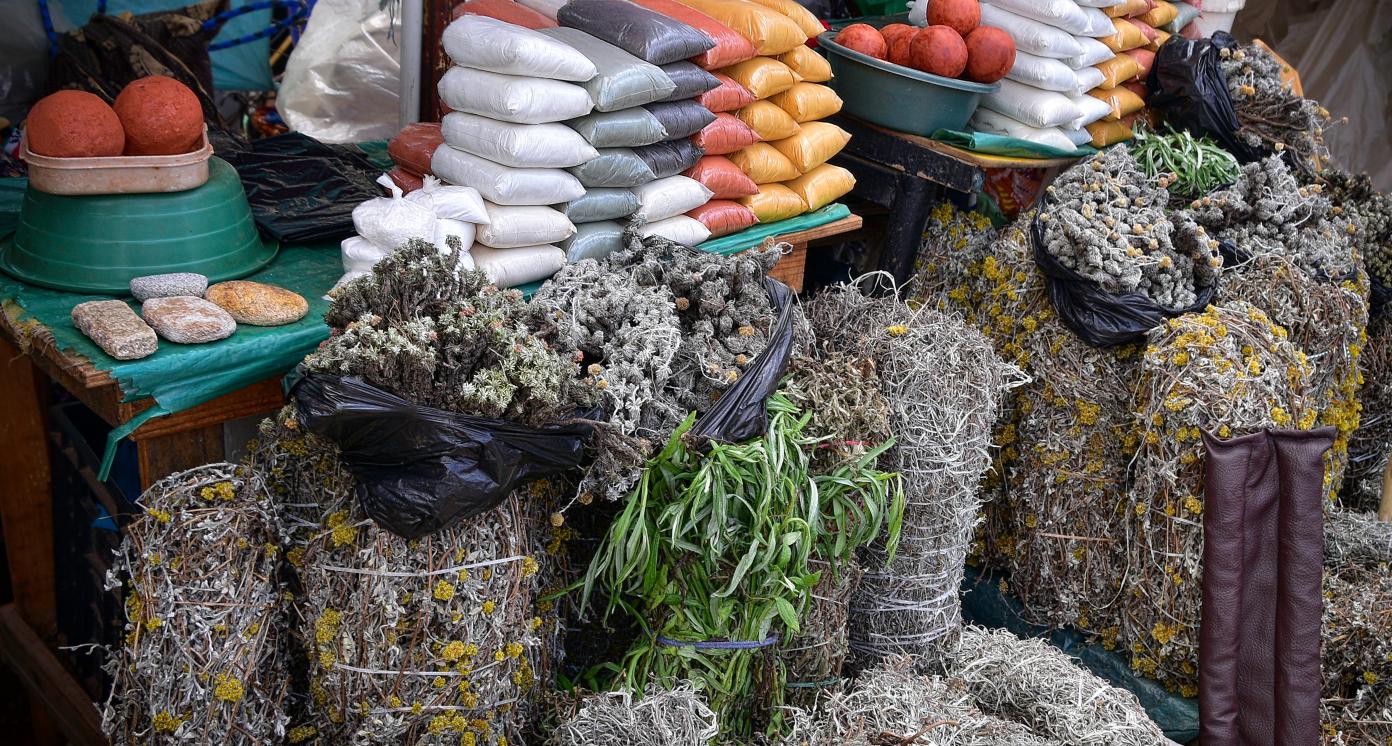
898 36
161 116
863 38
961 15
990 54
938 50
74 124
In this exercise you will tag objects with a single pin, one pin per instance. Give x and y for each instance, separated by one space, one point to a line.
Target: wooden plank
47 681
26 502
163 455
891 149
826 230
258 398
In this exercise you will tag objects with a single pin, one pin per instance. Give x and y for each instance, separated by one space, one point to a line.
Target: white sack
1101 3
550 8
1061 14
669 197
389 222
446 229
485 43
453 202
1079 137
985 120
1099 24
359 254
509 98
1035 107
1089 110
1094 53
520 145
682 229
1088 79
1043 72
508 268
513 226
502 185
1031 35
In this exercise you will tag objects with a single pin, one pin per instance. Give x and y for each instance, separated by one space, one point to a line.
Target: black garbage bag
1101 318
419 469
301 190
1188 90
741 412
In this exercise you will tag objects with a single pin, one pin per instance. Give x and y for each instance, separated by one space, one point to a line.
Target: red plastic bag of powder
723 217
729 47
408 181
722 177
728 97
413 146
504 10
725 135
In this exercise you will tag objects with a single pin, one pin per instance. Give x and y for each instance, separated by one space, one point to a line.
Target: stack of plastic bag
1141 29
504 10
435 212
1059 46
510 90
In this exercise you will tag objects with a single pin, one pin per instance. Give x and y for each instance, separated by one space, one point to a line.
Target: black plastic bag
1379 298
670 158
1188 90
301 190
645 34
741 412
419 469
681 119
1101 318
691 81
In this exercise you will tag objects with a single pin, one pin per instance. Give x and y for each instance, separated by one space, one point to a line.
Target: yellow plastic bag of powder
1123 101
774 202
1130 8
1160 15
1118 70
808 102
1106 133
813 145
798 14
768 120
768 30
813 67
764 164
1127 36
822 185
762 76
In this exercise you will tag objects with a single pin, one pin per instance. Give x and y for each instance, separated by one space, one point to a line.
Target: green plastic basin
899 97
98 243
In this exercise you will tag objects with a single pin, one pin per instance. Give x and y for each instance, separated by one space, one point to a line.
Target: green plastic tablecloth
1010 147
179 376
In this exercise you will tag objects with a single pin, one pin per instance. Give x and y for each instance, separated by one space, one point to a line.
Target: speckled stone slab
168 285
115 328
257 303
188 320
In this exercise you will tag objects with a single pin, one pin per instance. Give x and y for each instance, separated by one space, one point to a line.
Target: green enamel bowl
98 243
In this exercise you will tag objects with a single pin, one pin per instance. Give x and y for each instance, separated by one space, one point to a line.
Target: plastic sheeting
341 82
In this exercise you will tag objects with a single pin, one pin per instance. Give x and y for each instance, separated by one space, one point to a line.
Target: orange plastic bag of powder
729 47
768 30
813 145
1143 57
407 181
1130 8
723 217
1126 37
728 96
799 15
768 120
808 102
1106 133
1122 100
414 145
765 165
725 180
763 76
1118 70
1161 36
725 135
804 61
1149 32
774 202
504 10
822 185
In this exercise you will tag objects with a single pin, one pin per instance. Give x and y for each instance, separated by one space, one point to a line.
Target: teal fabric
755 234
1010 147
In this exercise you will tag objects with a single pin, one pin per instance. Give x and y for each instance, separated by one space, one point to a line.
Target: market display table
909 175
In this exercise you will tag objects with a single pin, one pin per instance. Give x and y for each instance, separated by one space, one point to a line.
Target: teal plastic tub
98 243
898 97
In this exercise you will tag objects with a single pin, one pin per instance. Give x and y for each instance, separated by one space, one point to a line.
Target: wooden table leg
914 200
165 454
26 500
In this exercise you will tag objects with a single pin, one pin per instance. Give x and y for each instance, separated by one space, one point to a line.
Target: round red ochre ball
938 50
990 54
74 124
161 116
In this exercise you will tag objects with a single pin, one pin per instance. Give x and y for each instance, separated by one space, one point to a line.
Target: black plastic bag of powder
1188 90
645 34
1101 318
690 80
669 158
681 119
419 469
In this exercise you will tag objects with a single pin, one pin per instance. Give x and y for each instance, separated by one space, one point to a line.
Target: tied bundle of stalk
1107 221
1031 682
1271 115
202 654
1356 657
1356 539
890 704
714 552
944 385
1229 371
662 717
949 255
1370 446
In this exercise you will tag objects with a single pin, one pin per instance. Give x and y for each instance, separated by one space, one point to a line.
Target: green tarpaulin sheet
1011 147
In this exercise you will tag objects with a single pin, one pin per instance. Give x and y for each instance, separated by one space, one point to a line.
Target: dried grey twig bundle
663 717
1356 655
202 658
1370 447
1272 117
1108 222
1356 539
944 386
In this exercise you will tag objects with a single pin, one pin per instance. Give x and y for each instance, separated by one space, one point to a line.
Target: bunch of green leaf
1186 165
720 546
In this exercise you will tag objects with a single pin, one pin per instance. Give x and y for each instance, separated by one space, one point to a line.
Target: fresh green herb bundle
1188 166
715 554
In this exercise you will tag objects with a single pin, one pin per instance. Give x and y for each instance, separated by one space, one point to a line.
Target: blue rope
299 12
718 644
48 28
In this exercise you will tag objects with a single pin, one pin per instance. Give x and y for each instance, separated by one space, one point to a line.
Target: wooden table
792 267
31 361
909 175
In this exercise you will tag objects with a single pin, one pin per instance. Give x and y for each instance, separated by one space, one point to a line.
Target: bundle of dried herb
1370 446
1356 655
676 716
1271 116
